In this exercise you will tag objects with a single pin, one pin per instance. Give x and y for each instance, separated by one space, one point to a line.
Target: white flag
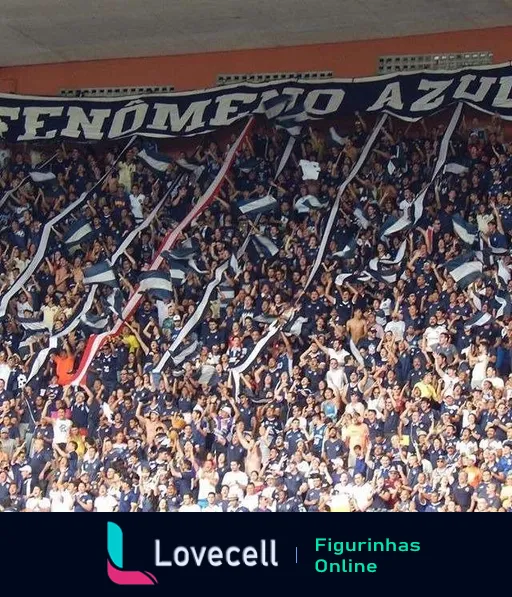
310 170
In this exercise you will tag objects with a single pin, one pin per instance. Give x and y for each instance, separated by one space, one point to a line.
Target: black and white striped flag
464 230
101 273
225 293
264 245
96 323
503 299
195 169
79 231
157 284
114 302
183 251
348 250
393 225
157 162
463 270
258 205
399 257
305 204
478 319
503 272
32 324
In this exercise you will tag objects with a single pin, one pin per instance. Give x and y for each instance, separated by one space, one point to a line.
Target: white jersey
61 501
38 504
61 429
105 503
136 202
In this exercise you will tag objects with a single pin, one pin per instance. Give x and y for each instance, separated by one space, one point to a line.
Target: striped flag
264 245
463 270
394 225
32 324
177 269
184 251
293 120
157 162
399 256
156 283
234 266
196 169
348 250
114 302
503 272
294 327
78 232
361 220
226 294
188 351
97 323
340 278
478 319
275 109
305 204
499 250
192 264
485 255
464 230
101 273
503 299
258 205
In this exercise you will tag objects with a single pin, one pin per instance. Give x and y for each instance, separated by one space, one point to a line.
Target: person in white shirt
250 501
37 503
61 426
235 477
396 326
211 505
432 333
336 377
490 442
188 504
208 479
136 203
361 492
105 502
61 499
449 378
5 370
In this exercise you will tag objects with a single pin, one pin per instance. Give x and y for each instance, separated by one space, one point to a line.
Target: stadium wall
195 71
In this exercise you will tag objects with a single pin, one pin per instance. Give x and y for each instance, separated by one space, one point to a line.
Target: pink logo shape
115 561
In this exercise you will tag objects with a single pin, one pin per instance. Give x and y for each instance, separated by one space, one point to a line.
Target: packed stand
377 393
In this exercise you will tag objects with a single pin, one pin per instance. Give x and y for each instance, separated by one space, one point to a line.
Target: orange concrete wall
195 71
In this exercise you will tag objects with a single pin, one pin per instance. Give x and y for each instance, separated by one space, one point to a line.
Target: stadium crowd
388 390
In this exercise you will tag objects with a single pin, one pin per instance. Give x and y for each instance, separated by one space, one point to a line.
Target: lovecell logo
115 570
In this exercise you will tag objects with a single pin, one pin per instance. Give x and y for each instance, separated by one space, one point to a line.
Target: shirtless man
357 326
